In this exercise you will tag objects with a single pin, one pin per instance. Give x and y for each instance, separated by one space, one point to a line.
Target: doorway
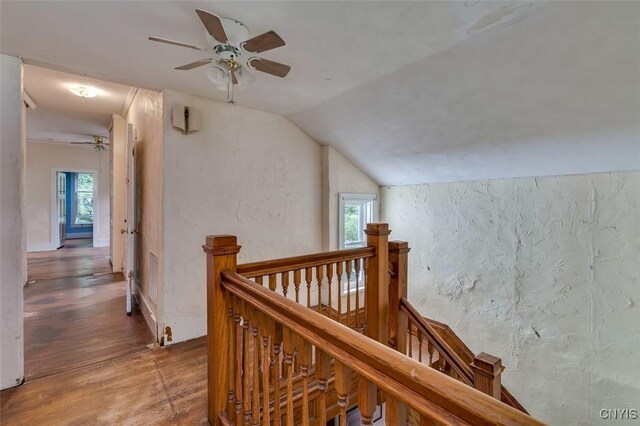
74 207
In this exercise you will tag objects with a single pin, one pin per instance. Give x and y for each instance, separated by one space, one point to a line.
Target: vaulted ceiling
412 92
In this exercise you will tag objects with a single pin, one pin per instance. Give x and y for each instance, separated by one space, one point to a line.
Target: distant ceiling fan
228 39
99 143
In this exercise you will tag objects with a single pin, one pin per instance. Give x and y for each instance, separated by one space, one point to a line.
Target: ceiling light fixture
84 91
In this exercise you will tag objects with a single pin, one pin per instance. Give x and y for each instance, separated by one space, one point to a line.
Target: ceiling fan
228 40
99 143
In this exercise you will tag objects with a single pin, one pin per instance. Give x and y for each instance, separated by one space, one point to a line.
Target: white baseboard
101 243
147 312
40 247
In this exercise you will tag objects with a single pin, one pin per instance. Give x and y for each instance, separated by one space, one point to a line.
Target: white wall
117 151
339 175
246 172
145 114
13 260
41 159
542 272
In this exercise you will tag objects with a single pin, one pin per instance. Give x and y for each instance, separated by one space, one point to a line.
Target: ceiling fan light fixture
218 76
84 91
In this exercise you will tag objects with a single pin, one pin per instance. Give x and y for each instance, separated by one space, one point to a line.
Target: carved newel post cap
377 229
219 245
399 247
487 364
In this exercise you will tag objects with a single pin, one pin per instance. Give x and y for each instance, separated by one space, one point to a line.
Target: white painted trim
147 312
104 242
31 248
53 214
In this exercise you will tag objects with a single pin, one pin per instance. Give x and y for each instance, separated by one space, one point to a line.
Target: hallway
86 361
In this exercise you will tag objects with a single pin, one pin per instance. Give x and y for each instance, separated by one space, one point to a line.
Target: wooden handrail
276 266
452 358
439 398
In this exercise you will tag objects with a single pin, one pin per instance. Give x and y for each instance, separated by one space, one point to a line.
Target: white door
61 203
132 225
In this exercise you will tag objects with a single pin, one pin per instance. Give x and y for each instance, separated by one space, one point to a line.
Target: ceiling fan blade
193 65
270 67
263 42
82 143
177 43
213 24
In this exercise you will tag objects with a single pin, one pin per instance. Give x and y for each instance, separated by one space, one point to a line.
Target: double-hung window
82 206
354 212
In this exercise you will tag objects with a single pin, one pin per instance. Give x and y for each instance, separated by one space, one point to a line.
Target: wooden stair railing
420 338
313 342
282 355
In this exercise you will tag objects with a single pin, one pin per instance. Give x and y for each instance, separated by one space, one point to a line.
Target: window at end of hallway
83 201
355 211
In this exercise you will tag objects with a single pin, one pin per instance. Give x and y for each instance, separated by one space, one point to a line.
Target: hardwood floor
87 362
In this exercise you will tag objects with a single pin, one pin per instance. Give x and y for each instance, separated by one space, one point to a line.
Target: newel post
377 289
222 252
487 371
398 322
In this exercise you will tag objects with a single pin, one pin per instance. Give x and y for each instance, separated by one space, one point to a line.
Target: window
83 200
354 212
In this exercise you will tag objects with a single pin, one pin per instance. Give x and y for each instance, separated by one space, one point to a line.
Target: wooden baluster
275 361
357 264
396 411
329 279
255 393
339 272
319 278
342 382
349 274
378 283
410 337
365 320
222 251
296 283
367 396
259 280
239 358
231 362
430 350
272 282
284 279
305 357
487 372
419 345
308 272
266 327
323 370
288 350
246 367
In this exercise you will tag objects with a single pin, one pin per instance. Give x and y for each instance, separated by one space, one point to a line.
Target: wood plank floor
88 363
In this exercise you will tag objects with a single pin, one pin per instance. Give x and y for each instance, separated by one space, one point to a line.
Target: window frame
344 199
74 200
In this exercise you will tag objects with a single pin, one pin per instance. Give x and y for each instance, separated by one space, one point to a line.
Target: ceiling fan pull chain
229 87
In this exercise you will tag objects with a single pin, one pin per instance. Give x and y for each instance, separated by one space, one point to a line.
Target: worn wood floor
88 363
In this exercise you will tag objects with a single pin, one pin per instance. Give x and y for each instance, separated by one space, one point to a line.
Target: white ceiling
412 92
61 116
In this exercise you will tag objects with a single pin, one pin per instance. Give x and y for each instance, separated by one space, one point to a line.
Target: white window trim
344 197
348 196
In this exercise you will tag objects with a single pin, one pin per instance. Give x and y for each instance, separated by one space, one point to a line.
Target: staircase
303 340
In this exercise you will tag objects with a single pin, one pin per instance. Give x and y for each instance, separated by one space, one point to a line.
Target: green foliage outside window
84 198
351 221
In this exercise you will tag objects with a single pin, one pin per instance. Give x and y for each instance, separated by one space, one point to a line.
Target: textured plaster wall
246 172
13 260
339 175
117 151
145 114
544 273
41 159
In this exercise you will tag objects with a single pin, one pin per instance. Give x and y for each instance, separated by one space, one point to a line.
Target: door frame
53 213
